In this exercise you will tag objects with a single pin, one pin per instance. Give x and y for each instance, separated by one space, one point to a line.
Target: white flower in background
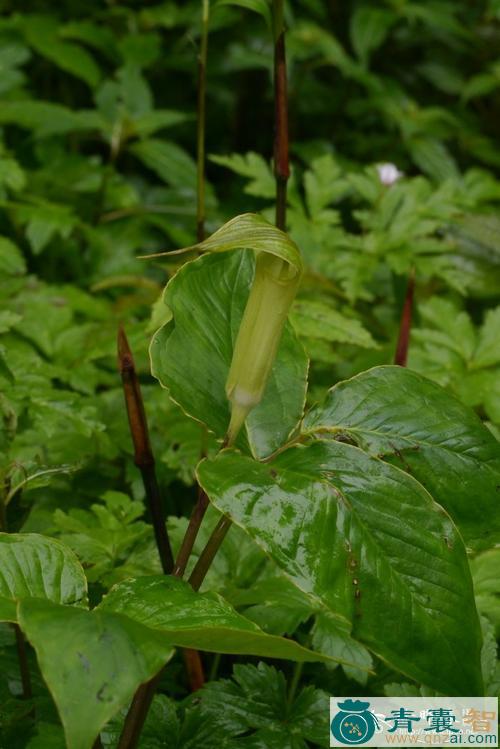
388 174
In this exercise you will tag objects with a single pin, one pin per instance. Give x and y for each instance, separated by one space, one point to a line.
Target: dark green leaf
327 508
34 566
204 621
402 417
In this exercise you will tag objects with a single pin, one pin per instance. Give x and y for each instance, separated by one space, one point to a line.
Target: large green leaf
192 353
204 621
33 566
364 540
92 661
402 417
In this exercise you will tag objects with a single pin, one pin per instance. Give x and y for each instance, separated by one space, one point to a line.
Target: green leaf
366 542
46 118
169 161
369 28
487 352
330 637
44 221
253 166
33 566
433 158
12 262
275 604
315 319
92 661
217 287
107 537
42 34
258 6
204 621
485 570
402 417
254 705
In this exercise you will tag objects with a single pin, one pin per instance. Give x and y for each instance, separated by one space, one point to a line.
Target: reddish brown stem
143 454
137 713
144 460
281 147
195 520
401 356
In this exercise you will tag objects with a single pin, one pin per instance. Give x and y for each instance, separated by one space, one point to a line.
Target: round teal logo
354 723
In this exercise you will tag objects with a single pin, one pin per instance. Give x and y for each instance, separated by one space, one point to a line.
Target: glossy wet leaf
329 509
402 417
204 621
34 566
191 354
92 661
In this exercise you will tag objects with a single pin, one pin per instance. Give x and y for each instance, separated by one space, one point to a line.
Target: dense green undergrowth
98 167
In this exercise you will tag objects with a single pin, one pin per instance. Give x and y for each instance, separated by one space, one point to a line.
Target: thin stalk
193 528
143 454
137 713
189 539
201 121
215 667
208 554
401 356
294 682
144 460
22 656
281 145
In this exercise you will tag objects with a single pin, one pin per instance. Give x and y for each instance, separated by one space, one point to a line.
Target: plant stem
22 657
189 539
193 528
401 356
281 148
144 460
215 666
137 713
143 454
294 682
207 555
201 121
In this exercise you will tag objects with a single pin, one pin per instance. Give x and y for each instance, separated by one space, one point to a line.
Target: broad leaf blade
402 417
92 661
204 621
327 508
192 353
33 566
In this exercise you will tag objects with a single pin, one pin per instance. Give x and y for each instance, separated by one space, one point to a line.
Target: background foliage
97 166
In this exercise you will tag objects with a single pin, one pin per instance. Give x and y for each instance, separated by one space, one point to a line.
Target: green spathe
273 291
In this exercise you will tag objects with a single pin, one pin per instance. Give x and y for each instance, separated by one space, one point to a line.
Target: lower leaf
367 542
